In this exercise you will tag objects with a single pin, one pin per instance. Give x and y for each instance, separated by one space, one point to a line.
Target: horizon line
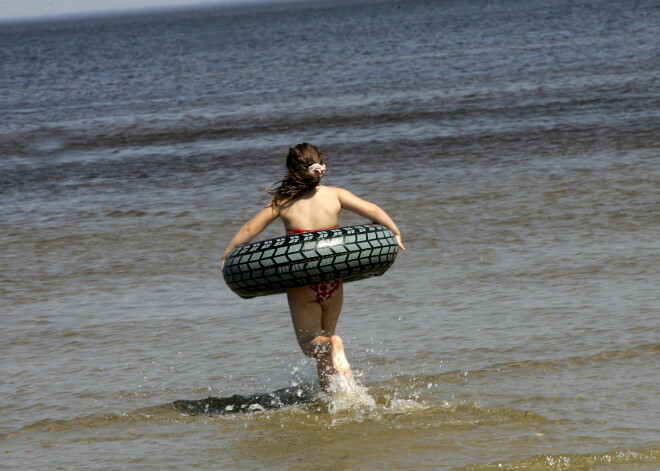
127 11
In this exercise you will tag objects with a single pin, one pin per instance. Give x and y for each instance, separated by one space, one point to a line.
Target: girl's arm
251 229
370 211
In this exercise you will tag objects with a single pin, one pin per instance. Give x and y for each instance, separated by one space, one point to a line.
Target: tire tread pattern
347 253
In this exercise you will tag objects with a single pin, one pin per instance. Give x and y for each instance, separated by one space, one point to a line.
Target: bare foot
330 359
339 362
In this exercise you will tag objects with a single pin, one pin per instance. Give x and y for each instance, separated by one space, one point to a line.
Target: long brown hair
298 179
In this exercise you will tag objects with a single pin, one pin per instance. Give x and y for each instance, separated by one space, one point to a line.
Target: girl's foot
340 365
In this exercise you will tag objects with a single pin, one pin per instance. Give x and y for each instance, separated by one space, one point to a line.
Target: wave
589 461
399 395
350 402
515 367
346 395
515 118
90 421
126 213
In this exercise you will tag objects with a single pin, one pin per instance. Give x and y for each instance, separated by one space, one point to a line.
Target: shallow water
516 145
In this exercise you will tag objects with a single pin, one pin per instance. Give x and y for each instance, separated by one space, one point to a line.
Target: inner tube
347 253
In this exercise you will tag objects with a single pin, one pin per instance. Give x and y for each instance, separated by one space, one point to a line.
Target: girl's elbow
380 213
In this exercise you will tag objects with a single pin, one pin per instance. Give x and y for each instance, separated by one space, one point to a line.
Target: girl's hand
399 243
224 258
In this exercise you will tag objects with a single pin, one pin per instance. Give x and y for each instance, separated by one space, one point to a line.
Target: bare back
317 209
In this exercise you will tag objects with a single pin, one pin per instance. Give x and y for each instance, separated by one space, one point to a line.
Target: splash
346 394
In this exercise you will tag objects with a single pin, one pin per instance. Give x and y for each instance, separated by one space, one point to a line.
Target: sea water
516 144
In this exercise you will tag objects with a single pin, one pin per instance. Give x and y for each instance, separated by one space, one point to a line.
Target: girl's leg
314 324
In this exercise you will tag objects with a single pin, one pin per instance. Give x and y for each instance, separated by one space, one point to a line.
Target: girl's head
301 158
304 168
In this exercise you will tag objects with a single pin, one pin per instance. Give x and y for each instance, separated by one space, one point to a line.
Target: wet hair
298 179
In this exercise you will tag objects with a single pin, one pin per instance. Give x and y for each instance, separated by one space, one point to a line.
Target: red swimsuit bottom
325 289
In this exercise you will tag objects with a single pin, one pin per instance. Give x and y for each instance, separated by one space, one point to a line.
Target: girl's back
317 209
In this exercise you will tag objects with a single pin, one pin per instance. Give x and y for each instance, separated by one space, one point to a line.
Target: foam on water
346 394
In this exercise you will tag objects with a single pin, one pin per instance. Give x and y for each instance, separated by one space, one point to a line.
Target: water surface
514 142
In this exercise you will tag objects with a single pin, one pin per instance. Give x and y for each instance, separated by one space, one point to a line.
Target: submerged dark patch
241 404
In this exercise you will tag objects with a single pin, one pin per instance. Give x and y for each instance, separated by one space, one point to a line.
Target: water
514 142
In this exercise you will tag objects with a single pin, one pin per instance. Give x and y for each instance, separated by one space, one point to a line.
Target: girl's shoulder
332 189
339 192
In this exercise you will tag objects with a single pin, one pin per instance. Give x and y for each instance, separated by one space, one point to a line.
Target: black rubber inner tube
347 253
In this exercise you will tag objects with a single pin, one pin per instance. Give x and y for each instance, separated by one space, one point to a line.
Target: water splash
346 394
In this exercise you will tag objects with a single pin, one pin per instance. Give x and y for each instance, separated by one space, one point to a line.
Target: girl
304 204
